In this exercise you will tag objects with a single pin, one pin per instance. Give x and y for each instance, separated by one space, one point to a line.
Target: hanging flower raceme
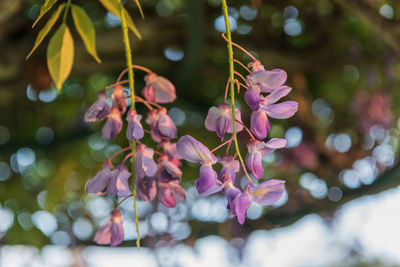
151 178
264 88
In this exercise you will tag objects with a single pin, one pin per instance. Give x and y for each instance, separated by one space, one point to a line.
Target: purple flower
99 110
282 110
146 188
193 151
207 183
167 171
112 232
231 192
229 169
145 166
259 149
113 125
267 192
135 128
240 204
158 89
172 153
219 120
98 185
269 80
259 124
118 185
171 193
252 96
118 97
161 125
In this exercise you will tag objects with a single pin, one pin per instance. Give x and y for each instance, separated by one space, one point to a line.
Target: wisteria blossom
158 89
219 120
157 167
112 232
156 173
161 125
264 88
135 128
98 185
113 125
99 110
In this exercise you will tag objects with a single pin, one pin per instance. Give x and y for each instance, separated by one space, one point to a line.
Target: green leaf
46 29
60 55
85 29
112 6
48 4
140 8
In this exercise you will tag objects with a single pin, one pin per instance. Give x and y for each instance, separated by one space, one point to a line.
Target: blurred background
342 201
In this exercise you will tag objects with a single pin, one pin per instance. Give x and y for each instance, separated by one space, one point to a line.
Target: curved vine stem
232 82
128 55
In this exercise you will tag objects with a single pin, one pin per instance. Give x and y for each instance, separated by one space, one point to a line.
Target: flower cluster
160 176
263 90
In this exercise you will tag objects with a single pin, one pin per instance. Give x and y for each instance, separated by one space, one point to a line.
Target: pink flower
112 232
219 120
158 89
113 125
259 149
162 127
171 193
118 185
98 185
99 110
135 128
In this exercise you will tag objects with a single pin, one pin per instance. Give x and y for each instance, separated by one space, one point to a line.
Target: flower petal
254 163
282 110
207 183
277 94
269 79
170 194
113 125
99 110
98 185
211 119
192 150
119 186
146 188
266 193
241 203
134 130
159 89
167 171
259 124
252 96
144 163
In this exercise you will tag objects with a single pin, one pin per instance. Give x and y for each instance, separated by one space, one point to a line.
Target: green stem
128 55
66 10
232 80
